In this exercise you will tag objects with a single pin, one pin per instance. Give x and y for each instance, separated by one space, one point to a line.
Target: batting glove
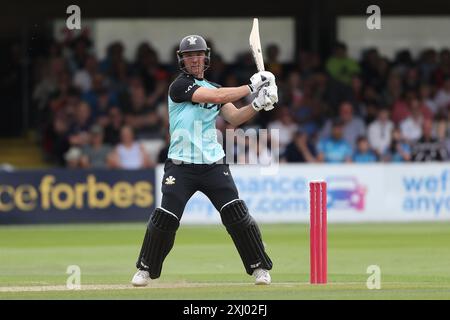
272 92
261 79
266 97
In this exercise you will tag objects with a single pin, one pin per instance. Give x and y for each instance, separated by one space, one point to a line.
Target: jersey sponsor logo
170 180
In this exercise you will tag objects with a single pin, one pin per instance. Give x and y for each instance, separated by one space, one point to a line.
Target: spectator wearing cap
95 154
301 149
334 149
129 154
363 153
353 126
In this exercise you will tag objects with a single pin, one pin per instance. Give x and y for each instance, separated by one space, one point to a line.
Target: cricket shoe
141 278
262 276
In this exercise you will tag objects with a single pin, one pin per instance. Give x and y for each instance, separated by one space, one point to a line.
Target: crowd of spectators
99 111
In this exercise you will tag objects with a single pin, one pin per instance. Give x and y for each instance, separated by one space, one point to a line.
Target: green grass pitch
414 260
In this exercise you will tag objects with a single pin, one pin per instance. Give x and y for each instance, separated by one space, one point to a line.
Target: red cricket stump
312 240
318 232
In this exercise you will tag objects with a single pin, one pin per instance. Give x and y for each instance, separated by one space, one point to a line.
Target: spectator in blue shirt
399 150
334 149
363 153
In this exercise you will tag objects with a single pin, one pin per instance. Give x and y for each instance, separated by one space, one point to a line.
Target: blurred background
366 110
71 98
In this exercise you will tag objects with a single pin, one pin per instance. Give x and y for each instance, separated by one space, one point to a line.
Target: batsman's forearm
243 115
226 95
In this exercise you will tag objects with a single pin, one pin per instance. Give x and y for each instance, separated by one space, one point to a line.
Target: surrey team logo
192 40
170 180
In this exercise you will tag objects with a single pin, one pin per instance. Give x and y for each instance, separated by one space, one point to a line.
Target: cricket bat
255 46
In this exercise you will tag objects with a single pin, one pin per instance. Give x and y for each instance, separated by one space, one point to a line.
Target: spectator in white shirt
379 132
73 157
83 78
129 154
411 127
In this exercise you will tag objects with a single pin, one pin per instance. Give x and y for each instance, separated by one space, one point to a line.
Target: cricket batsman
196 162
